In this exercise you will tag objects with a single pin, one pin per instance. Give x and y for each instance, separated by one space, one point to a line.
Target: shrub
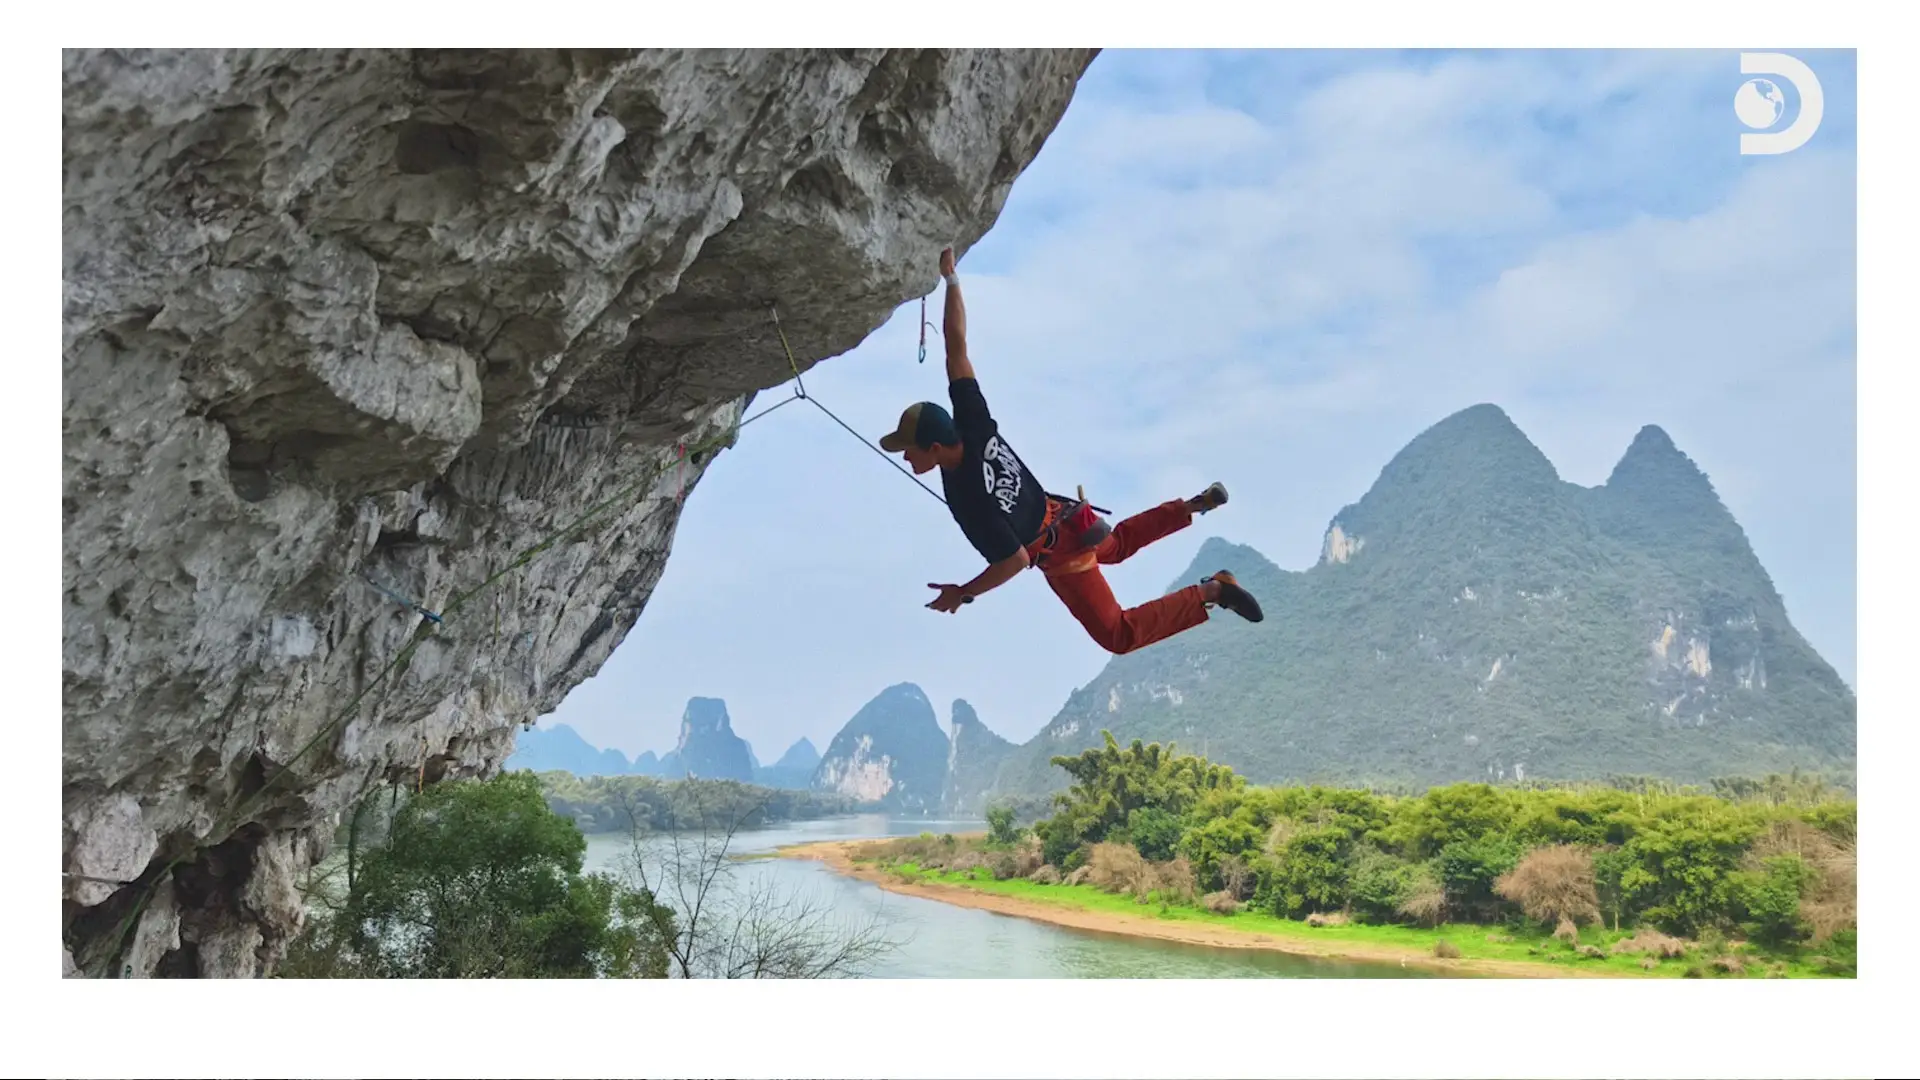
1553 885
1174 880
967 862
1378 883
1649 940
1221 903
1000 826
1236 877
1840 955
1426 903
1058 842
1829 895
1118 868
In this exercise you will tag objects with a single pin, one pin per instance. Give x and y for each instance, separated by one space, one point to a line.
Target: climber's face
937 456
922 460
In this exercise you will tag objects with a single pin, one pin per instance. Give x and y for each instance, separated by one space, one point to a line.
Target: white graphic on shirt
1005 486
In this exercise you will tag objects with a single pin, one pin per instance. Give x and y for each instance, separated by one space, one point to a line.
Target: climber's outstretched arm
958 365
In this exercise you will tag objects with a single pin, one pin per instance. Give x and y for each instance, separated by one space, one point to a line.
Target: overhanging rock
333 317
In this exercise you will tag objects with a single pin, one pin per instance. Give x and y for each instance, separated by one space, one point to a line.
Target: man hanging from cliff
1014 523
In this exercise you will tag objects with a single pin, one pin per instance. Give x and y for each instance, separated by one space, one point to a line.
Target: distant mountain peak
801 755
708 747
1480 438
892 751
974 758
1652 461
704 714
964 717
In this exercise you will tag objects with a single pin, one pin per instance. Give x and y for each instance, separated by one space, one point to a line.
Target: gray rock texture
340 316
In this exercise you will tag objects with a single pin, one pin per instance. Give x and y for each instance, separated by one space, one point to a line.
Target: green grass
1525 946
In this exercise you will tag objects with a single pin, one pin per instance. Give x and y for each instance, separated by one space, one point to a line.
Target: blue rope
401 600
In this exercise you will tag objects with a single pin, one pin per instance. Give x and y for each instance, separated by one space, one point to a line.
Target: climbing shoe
1213 498
1234 598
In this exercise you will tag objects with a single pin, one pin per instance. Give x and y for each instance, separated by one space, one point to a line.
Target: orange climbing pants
1078 582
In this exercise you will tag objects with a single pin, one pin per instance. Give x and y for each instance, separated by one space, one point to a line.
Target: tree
480 880
1469 868
1110 783
1000 826
1309 872
1610 866
1682 862
1771 896
1154 832
714 925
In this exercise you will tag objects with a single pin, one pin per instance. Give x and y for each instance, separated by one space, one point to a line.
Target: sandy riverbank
838 855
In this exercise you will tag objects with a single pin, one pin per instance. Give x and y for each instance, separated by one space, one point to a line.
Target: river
941 941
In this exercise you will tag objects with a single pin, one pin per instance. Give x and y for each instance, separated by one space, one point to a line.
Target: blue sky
1274 269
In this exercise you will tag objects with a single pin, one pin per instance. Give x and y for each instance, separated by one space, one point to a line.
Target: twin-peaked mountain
1474 616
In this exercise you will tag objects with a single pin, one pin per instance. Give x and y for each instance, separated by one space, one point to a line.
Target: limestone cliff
339 318
975 754
708 748
892 753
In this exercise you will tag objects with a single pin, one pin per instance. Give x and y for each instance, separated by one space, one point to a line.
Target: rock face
708 748
338 319
891 754
1475 617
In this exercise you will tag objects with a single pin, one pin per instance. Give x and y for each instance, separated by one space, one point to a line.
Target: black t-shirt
994 497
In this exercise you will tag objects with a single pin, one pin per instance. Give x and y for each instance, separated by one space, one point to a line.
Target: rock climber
1015 523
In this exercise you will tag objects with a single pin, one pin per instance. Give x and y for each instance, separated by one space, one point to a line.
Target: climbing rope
802 393
434 622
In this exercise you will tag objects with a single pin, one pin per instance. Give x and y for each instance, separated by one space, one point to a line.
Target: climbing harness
1069 535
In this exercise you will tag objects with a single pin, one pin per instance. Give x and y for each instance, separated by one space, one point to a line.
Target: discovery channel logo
1760 104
